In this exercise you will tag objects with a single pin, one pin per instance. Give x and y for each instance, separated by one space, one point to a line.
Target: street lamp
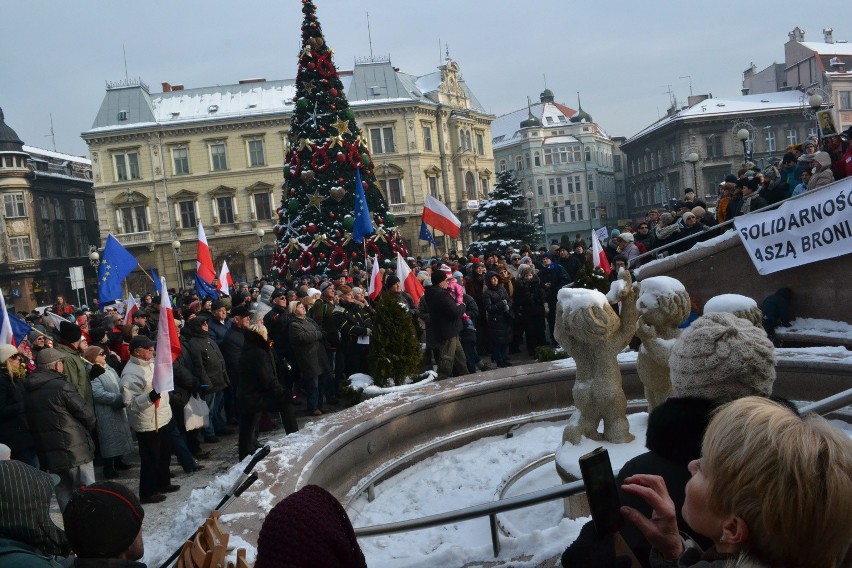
693 158
94 257
259 266
530 196
743 134
178 275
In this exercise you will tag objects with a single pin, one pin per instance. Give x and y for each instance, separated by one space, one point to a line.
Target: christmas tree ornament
315 200
337 193
342 127
348 222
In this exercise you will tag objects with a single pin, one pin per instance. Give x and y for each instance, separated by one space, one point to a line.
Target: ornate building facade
564 163
49 221
163 162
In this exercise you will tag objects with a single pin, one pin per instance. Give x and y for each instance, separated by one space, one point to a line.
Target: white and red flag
409 280
168 347
375 280
225 279
598 255
130 308
439 216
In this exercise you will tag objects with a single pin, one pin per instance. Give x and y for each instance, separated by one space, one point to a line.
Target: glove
119 404
154 396
96 372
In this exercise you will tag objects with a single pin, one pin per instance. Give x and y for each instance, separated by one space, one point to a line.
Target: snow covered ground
449 480
818 328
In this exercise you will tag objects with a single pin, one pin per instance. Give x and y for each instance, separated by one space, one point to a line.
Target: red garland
355 156
295 165
320 153
372 248
338 260
312 262
324 66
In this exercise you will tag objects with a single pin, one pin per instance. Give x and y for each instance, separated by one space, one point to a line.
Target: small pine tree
592 278
395 353
502 220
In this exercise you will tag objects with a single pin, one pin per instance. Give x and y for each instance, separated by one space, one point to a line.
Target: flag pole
148 275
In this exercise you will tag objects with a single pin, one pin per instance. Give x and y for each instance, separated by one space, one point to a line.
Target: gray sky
620 55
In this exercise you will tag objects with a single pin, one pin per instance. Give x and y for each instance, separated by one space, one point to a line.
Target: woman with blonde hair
771 489
14 431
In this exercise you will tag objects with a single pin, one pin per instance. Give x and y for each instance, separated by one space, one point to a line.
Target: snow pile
573 299
652 289
726 236
364 383
615 290
568 455
818 327
729 303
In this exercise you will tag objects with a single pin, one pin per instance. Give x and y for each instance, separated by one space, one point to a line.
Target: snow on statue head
663 305
593 334
741 306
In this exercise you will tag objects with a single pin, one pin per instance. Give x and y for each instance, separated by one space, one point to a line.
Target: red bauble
381 220
311 66
333 107
311 228
355 254
339 180
340 157
332 215
336 234
322 128
322 256
364 183
333 92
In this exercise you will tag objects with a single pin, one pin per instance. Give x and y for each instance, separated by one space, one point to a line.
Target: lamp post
530 196
693 158
94 257
743 134
259 268
178 275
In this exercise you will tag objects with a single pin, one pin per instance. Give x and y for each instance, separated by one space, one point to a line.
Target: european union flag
363 224
426 235
116 264
205 289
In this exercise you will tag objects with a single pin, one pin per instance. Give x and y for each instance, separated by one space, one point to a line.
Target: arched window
470 186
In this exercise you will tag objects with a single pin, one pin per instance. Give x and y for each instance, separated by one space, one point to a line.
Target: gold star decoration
315 200
305 144
342 126
309 86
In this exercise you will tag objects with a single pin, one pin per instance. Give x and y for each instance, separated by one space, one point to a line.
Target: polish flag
598 255
409 280
225 280
130 308
439 216
168 346
203 260
375 280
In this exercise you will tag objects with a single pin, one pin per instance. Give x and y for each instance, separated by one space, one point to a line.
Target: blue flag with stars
426 235
363 225
116 264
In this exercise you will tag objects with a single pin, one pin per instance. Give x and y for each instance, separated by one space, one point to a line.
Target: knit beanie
7 351
96 334
306 529
70 332
25 496
438 277
391 280
722 357
102 520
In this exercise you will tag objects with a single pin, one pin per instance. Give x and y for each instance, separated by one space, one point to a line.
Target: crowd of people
79 389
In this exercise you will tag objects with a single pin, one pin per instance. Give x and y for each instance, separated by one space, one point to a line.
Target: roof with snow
839 48
508 125
718 106
375 82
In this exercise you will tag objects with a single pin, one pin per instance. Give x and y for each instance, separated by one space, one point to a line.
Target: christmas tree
592 277
395 353
327 153
502 219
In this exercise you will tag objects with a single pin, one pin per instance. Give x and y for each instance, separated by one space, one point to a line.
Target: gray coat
306 338
113 428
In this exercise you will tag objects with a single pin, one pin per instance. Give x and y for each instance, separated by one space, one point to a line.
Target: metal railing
652 253
492 509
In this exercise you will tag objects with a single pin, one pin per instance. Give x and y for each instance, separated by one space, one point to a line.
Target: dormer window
122 115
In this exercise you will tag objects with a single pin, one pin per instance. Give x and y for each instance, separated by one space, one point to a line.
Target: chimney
828 34
837 65
798 34
177 87
167 88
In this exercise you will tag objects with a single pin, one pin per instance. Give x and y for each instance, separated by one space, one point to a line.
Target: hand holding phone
601 491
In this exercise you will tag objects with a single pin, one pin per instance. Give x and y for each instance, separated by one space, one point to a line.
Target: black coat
776 307
213 372
552 279
60 421
445 315
232 350
306 338
498 308
14 431
258 388
673 438
529 298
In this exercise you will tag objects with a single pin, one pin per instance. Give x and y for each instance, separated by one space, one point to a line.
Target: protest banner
814 227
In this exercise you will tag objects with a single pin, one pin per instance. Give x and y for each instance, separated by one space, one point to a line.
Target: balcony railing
135 238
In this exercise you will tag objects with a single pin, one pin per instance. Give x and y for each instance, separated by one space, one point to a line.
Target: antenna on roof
690 82
544 75
52 137
369 34
448 51
126 76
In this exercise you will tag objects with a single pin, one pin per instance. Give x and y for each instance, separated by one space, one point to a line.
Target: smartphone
601 491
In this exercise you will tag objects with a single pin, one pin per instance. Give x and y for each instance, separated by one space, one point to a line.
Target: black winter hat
391 280
102 520
70 332
438 276
96 334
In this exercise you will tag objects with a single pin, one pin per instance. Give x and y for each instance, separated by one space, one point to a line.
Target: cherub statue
593 334
663 305
741 306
